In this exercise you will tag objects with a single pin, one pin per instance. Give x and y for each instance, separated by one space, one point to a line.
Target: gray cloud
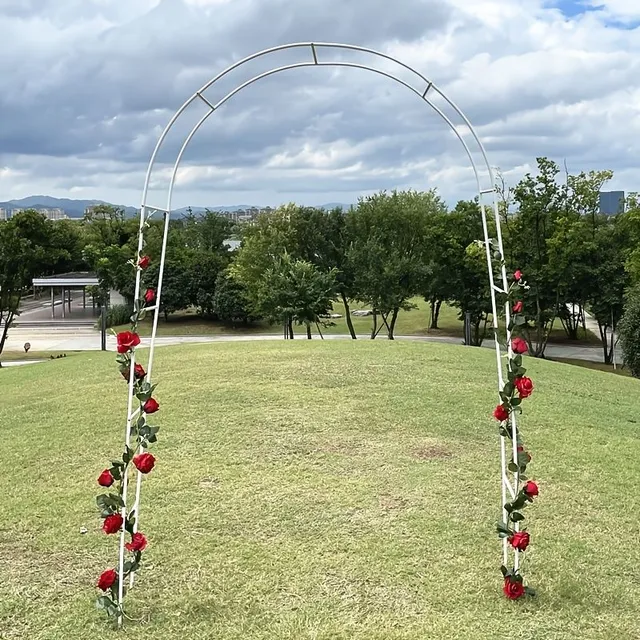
81 112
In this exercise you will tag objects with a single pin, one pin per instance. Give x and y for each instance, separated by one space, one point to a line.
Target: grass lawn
321 490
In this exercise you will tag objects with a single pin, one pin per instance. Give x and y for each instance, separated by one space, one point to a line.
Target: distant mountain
76 208
73 208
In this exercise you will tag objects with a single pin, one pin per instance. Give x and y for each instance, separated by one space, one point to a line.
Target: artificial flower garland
117 518
517 388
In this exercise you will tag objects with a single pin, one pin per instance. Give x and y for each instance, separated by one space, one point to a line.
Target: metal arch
507 485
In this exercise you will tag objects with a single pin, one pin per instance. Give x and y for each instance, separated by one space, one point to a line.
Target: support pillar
64 312
53 304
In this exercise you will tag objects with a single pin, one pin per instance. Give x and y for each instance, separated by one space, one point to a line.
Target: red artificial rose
144 262
150 406
501 413
112 523
517 275
519 346
127 340
524 386
530 489
519 540
144 462
513 589
105 479
149 296
138 372
106 579
139 542
518 306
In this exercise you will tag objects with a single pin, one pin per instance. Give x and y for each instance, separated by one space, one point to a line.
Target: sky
87 87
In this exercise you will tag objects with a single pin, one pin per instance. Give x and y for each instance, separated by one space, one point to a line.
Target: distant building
5 214
611 202
52 214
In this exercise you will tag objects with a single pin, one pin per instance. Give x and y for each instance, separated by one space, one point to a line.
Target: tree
296 291
387 252
204 269
629 329
177 292
230 301
29 247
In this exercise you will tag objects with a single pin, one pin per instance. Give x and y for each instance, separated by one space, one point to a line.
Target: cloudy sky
88 85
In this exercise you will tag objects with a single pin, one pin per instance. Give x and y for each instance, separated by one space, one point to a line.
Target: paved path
62 340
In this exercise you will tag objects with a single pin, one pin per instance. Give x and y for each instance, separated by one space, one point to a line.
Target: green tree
296 291
230 301
29 247
629 329
387 251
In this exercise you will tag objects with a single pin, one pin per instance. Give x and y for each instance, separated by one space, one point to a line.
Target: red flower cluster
144 262
150 406
112 523
518 306
530 489
138 372
519 346
501 413
105 479
517 276
513 589
127 340
519 540
107 579
524 386
149 296
138 542
144 462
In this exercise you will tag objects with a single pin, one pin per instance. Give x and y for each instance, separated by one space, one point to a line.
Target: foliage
29 247
296 291
118 314
230 301
629 329
387 250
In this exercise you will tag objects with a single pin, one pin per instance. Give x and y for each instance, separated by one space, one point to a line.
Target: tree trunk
308 331
290 325
435 305
604 338
5 331
392 326
374 333
347 314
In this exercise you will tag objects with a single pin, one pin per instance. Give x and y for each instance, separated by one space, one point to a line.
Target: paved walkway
68 339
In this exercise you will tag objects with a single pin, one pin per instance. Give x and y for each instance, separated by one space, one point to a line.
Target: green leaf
516 402
517 360
127 455
516 516
508 389
519 320
504 570
103 602
513 467
530 592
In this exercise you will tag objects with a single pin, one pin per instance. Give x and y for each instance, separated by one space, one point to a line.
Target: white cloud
86 87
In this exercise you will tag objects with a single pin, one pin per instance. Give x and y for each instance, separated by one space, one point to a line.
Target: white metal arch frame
485 185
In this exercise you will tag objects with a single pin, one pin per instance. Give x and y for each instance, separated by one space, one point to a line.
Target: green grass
323 490
598 366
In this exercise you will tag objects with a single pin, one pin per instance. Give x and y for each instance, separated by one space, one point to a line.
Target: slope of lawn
327 491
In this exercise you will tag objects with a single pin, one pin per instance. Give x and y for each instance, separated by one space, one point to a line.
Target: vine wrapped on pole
114 510
519 488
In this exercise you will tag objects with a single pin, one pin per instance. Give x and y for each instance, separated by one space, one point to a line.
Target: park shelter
65 283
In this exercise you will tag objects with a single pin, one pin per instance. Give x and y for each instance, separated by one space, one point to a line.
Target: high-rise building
5 214
611 202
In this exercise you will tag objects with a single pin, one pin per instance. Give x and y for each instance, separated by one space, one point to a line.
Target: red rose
513 589
106 579
149 296
144 462
139 543
150 406
519 346
530 489
127 340
517 275
138 372
112 523
519 540
105 479
501 413
144 262
524 386
518 306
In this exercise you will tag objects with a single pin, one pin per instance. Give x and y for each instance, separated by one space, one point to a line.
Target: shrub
119 314
629 331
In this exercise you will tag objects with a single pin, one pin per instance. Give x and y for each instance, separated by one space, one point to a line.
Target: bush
629 331
119 314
